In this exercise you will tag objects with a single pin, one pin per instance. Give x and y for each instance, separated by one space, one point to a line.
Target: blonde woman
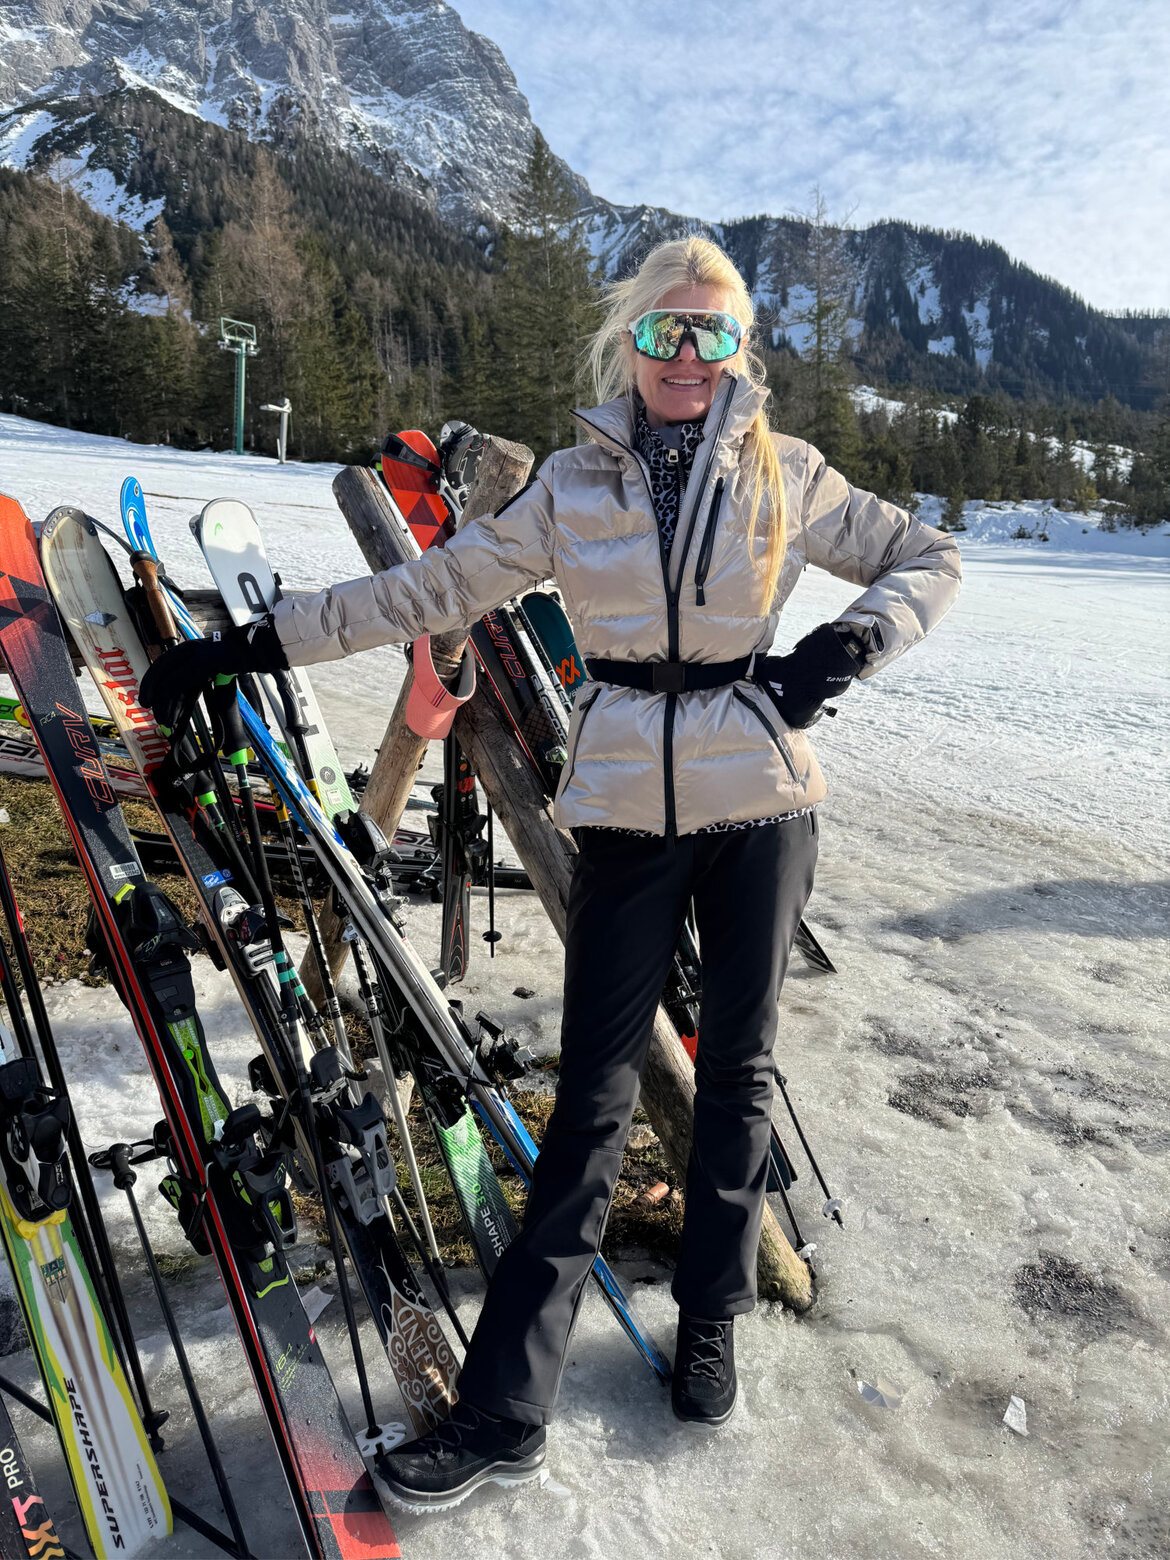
675 532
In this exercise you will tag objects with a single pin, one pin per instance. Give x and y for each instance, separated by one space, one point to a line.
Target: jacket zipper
708 546
672 595
587 704
771 730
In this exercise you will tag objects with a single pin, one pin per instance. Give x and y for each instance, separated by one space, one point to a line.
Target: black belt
678 676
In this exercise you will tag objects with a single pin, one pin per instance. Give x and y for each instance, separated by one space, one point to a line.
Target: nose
686 351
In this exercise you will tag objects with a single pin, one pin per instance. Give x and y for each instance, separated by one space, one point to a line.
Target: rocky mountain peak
402 84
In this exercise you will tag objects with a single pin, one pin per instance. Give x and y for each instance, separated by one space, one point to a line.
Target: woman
675 533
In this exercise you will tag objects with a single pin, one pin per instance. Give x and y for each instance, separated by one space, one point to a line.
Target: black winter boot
703 1388
470 1448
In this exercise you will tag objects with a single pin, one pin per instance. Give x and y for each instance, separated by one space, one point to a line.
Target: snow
978 320
984 1082
924 290
157 75
96 186
866 399
22 132
941 346
100 189
799 332
1038 524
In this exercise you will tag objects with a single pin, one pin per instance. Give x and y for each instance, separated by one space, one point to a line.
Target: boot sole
507 1475
705 1420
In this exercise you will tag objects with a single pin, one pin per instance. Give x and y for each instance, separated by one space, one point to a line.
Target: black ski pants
627 904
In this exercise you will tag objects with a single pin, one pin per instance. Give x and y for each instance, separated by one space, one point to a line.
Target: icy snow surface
984 1082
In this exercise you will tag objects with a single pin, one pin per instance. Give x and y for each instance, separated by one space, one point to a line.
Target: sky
1041 124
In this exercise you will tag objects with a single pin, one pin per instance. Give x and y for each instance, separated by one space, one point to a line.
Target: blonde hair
696 262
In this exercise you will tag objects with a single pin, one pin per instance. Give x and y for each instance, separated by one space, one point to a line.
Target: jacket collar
611 425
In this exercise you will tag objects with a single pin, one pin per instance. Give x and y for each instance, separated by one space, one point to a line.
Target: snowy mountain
943 310
401 84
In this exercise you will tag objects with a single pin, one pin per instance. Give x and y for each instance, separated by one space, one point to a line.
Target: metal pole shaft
239 353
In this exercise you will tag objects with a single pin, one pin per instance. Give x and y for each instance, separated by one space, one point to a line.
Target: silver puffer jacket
660 761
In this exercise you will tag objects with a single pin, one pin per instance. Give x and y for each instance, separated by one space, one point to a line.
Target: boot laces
446 1440
707 1347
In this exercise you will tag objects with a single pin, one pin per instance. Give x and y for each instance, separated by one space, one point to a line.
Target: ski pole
227 715
491 936
832 1208
118 1161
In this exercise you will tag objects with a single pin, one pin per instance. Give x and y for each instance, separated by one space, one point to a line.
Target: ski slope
984 1082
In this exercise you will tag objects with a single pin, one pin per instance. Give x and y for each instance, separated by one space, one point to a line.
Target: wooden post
668 1085
503 470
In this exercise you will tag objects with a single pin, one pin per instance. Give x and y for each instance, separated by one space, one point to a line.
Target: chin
684 409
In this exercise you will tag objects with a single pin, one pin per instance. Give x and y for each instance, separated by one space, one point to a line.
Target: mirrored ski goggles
661 333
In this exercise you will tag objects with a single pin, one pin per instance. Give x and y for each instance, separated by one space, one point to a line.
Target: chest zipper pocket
586 705
708 545
777 739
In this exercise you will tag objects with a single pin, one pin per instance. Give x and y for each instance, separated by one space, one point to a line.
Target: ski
551 630
115 1478
27 1531
20 756
483 1206
231 1192
233 548
350 1126
462 857
12 709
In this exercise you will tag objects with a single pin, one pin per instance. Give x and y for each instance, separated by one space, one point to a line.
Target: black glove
172 685
820 666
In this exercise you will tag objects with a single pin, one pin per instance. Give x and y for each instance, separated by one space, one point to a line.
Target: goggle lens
660 334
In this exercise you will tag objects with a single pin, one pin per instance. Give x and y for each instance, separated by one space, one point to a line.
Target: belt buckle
668 676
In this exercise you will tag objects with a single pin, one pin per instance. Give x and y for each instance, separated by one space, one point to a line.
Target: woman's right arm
481 567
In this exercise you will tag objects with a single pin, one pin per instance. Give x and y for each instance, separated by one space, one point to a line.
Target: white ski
227 532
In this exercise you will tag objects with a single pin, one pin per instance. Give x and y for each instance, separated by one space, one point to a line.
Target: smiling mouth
684 384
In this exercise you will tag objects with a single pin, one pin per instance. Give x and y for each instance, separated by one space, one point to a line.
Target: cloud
1041 124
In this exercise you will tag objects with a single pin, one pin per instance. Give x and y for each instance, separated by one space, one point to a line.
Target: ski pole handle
124 1177
146 573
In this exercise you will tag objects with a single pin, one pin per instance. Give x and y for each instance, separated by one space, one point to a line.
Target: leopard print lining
669 467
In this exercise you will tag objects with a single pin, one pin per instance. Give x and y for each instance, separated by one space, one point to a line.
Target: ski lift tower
240 338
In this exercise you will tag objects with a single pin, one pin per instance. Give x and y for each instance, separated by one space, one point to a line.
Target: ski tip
11 510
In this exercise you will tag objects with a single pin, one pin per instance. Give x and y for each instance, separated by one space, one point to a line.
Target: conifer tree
821 318
545 306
